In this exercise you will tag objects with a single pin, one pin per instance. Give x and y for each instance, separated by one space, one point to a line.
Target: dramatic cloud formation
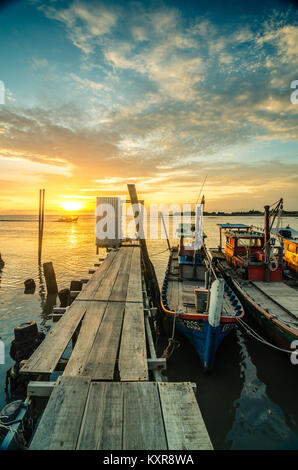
161 96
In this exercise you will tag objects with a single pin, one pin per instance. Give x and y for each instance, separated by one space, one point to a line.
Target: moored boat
70 218
253 266
289 239
196 300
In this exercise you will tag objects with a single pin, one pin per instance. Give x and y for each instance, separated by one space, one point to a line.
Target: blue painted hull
205 338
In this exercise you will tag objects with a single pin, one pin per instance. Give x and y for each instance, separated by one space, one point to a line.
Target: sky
165 95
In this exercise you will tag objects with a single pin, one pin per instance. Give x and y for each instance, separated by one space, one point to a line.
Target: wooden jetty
105 399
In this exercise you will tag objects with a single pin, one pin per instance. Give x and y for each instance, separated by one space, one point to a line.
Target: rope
172 343
160 252
259 338
17 435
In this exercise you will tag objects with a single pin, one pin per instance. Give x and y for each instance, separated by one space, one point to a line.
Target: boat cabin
188 256
245 249
289 237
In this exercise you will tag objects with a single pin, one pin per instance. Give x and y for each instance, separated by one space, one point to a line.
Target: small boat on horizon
69 218
253 265
196 299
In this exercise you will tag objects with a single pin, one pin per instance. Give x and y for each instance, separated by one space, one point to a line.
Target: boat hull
204 338
280 334
195 326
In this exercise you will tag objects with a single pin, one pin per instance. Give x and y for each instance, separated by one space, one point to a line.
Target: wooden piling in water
50 278
40 221
64 297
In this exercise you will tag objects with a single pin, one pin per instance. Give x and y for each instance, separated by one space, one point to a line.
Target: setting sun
72 206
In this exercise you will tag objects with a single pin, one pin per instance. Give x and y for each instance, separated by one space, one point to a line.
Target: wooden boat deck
86 415
282 294
181 294
112 333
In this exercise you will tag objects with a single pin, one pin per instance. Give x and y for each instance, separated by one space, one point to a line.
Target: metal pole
267 243
165 229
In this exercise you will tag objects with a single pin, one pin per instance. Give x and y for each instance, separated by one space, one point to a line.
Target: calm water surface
249 401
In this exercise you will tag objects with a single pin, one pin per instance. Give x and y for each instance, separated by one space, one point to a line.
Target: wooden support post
41 222
64 297
76 285
50 278
74 294
157 363
148 268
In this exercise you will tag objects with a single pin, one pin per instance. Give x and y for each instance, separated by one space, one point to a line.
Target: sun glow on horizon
72 206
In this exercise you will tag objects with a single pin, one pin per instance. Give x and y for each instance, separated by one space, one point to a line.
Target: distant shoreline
237 214
29 217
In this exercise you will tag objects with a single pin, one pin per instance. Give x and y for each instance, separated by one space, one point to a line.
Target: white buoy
216 302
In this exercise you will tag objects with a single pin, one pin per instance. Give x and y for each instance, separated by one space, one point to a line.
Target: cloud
25 170
162 99
85 23
39 63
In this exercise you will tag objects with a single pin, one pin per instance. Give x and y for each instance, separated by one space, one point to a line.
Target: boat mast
277 209
267 242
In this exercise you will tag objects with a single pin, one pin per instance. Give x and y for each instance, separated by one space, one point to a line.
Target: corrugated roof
233 225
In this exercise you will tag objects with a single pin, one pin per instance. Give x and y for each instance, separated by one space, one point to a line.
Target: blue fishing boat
195 298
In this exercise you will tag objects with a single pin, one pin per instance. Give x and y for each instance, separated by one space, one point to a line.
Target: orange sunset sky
101 94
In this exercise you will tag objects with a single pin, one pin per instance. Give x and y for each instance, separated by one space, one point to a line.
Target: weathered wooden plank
47 355
185 427
96 279
133 356
102 358
108 283
134 290
91 322
60 424
103 419
143 427
120 287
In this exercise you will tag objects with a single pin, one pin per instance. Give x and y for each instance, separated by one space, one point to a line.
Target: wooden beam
40 389
157 363
45 358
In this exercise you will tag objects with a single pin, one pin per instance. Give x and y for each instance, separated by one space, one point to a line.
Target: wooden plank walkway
87 408
110 309
87 415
